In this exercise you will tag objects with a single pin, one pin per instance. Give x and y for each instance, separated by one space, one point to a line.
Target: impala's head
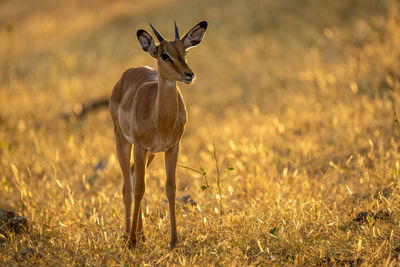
171 55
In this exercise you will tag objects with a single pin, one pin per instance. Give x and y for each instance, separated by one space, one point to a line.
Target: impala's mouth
187 81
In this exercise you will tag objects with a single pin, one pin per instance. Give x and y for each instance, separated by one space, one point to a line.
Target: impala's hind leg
124 155
140 156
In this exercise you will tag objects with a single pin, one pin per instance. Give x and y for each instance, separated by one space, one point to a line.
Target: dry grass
299 98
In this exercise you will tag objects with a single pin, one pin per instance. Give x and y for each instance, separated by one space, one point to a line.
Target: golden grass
298 98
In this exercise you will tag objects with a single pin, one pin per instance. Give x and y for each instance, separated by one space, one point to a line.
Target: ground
290 156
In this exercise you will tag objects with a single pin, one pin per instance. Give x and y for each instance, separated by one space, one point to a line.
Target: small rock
382 215
11 221
385 192
25 253
330 261
258 259
188 200
364 215
100 165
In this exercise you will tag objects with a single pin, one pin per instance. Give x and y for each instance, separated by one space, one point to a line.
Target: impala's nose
189 76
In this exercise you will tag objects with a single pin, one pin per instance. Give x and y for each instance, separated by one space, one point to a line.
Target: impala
148 112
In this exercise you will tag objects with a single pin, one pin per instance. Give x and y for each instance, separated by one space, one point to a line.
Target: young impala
148 112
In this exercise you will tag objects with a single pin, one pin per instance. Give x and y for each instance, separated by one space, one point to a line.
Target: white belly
156 146
160 146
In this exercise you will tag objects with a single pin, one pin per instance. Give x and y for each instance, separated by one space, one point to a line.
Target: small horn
158 35
176 32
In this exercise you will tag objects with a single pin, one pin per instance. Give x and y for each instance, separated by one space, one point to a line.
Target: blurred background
300 99
255 50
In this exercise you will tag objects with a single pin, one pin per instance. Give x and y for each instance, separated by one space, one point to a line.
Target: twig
218 180
202 172
81 110
396 119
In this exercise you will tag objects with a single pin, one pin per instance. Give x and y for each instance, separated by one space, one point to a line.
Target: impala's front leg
171 157
139 156
140 225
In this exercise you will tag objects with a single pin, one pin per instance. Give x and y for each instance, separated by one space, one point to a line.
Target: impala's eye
165 57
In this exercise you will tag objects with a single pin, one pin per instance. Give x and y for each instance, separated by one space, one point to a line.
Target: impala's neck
166 113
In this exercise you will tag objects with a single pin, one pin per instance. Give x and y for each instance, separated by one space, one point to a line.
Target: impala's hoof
173 243
130 242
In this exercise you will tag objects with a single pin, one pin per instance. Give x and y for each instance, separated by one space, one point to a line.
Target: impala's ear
147 42
194 35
